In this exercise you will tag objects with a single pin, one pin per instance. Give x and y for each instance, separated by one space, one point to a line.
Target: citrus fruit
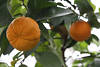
23 33
80 30
61 29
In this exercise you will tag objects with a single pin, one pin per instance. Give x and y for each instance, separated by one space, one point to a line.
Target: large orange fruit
23 33
80 30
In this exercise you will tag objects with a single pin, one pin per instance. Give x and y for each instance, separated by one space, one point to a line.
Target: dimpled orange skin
23 33
80 30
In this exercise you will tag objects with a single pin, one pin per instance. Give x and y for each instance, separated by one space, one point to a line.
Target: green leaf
48 59
20 10
91 38
83 6
35 6
81 46
98 14
5 17
65 15
26 2
6 48
57 15
96 42
92 19
48 49
92 5
43 47
17 7
99 11
58 42
27 53
38 64
2 64
60 4
2 2
1 29
17 56
84 61
70 42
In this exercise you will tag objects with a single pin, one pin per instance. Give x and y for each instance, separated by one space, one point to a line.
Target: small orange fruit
23 33
80 30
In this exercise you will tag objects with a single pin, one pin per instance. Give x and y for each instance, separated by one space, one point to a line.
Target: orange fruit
23 33
61 29
80 30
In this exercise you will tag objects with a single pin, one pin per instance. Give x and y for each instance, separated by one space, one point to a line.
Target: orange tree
49 52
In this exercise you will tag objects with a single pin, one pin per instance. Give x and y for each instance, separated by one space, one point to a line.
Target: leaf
5 17
54 12
48 59
98 15
2 64
26 2
35 6
60 4
2 2
17 56
20 10
92 19
14 62
70 42
67 18
99 11
92 5
93 36
38 64
57 15
83 6
6 48
84 61
48 48
81 46
17 7
58 42
1 29
96 42
27 53
43 47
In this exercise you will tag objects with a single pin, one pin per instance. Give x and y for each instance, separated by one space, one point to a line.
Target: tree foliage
53 42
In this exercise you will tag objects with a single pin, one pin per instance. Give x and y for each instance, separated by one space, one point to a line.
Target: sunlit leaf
2 64
81 46
17 7
99 11
84 61
38 64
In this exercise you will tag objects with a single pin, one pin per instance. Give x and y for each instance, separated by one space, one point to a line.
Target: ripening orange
23 33
80 30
